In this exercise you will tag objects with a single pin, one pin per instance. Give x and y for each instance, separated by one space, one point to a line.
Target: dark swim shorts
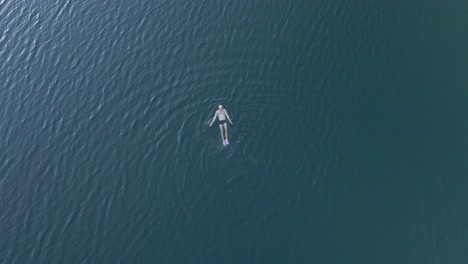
221 122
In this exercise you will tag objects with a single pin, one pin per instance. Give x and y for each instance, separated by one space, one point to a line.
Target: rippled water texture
349 142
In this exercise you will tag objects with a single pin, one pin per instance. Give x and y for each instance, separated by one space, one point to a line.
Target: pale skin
221 114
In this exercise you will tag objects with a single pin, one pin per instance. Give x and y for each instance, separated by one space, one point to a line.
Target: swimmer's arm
228 117
214 117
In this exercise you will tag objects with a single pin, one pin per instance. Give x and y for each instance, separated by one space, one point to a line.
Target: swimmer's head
220 107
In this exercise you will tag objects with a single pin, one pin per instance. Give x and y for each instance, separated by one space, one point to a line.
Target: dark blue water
349 142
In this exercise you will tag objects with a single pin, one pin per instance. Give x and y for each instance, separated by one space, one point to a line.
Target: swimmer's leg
222 134
225 131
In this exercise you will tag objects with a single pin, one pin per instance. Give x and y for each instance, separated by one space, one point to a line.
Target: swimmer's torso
221 115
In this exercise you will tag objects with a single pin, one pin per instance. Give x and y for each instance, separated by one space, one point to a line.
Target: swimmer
222 114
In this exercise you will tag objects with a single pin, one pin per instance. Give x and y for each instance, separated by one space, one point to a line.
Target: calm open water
349 143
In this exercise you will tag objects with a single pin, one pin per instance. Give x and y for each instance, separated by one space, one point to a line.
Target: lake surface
349 143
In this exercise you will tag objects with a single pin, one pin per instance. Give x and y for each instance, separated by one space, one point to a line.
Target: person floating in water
222 114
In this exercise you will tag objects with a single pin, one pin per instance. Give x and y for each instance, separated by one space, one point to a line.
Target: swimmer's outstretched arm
214 117
228 117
